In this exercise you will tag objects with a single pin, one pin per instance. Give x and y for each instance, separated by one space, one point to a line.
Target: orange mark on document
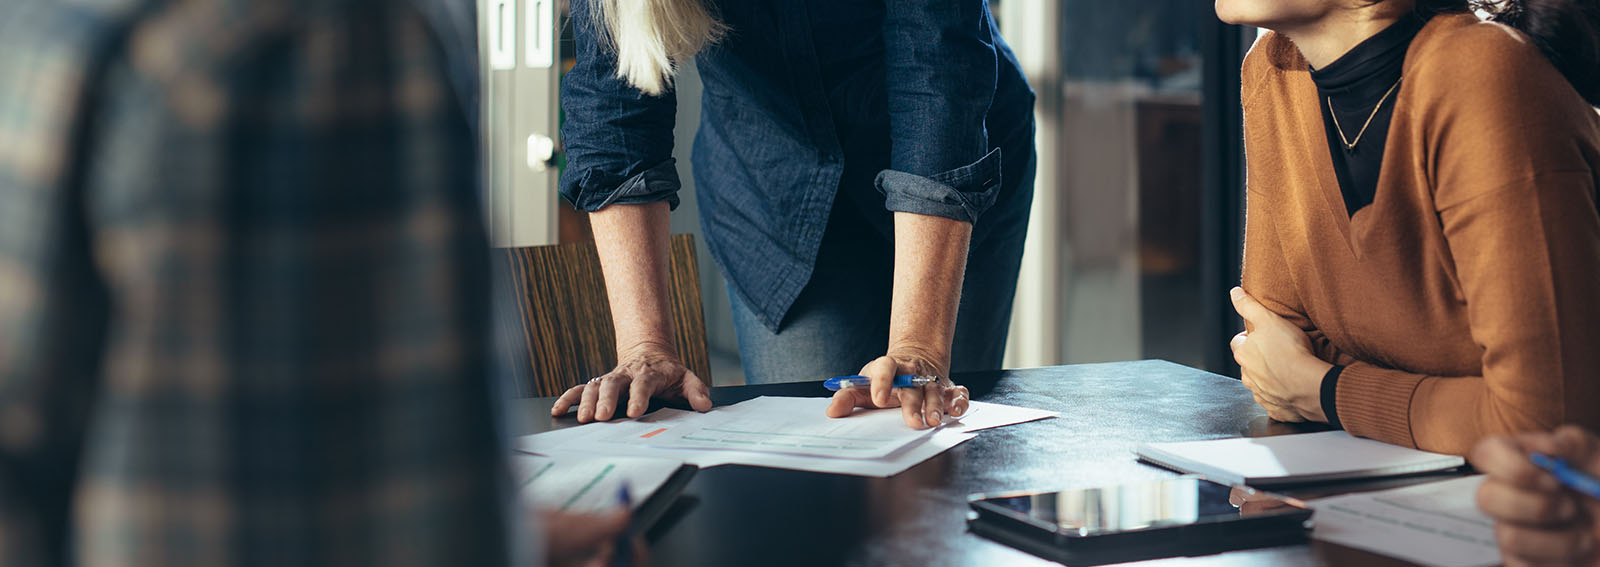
652 433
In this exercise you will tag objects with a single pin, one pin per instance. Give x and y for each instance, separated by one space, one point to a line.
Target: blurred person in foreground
1537 520
244 289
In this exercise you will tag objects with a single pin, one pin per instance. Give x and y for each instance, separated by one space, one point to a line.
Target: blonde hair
650 37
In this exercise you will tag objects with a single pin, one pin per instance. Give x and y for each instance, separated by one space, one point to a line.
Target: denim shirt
892 105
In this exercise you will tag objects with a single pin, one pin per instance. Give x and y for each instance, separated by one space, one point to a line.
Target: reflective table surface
740 515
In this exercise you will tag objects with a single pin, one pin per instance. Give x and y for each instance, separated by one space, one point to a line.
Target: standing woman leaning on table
1422 244
863 168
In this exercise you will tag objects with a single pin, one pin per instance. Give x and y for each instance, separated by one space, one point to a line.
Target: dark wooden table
742 516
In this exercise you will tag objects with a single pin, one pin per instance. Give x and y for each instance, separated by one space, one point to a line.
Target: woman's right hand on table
644 371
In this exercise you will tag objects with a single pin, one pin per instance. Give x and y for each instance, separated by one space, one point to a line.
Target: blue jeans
840 321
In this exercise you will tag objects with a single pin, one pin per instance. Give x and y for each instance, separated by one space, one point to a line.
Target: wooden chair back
566 319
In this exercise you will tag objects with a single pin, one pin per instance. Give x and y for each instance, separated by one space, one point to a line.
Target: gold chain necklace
1350 145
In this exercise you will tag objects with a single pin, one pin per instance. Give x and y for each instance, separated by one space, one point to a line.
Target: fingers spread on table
933 404
881 372
567 400
911 406
639 392
591 396
610 392
695 390
846 401
958 400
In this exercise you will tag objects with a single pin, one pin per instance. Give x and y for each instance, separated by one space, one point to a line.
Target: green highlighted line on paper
593 481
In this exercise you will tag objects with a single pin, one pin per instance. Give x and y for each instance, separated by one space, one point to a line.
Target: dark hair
1567 31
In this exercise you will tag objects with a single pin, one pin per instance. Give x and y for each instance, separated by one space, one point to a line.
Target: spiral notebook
1294 459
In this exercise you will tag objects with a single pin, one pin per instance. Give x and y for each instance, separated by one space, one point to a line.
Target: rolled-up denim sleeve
618 140
963 193
941 74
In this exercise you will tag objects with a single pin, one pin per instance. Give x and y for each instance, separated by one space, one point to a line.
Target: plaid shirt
243 305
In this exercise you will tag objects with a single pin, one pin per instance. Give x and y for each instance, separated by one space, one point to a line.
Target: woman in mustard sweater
1422 243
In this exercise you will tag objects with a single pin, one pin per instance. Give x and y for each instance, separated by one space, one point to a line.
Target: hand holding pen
586 539
905 380
1541 491
859 381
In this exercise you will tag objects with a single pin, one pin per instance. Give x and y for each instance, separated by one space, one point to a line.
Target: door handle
542 153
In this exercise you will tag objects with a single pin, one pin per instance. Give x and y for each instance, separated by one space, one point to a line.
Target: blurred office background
1136 227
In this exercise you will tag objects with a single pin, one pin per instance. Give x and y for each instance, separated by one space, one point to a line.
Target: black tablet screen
1142 506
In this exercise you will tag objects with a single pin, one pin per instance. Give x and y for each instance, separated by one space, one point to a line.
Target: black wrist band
1330 390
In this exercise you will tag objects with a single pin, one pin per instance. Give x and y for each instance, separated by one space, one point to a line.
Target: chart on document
587 483
796 426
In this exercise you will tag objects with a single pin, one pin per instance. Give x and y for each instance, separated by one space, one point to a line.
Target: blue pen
1570 477
623 551
858 381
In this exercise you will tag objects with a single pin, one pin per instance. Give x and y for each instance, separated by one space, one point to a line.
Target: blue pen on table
901 381
1570 477
622 553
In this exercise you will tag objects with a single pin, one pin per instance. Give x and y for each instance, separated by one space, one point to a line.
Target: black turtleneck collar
1381 55
1355 84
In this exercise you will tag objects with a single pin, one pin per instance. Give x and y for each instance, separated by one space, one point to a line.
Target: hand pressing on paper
1537 520
645 370
921 407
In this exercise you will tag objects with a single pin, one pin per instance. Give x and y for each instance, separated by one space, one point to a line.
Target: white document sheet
795 426
626 438
798 426
640 437
984 415
588 483
1437 523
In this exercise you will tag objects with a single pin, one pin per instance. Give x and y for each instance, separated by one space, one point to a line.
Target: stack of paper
788 433
789 425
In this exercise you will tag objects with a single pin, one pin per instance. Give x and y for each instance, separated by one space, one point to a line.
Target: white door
521 80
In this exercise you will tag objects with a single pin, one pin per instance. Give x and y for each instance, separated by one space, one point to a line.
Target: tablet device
656 506
1183 516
